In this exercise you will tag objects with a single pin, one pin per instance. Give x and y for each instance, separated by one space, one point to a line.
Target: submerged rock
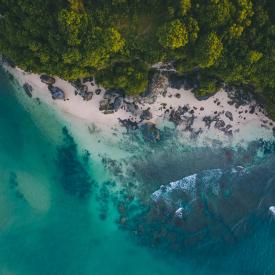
146 115
128 124
72 172
28 89
150 132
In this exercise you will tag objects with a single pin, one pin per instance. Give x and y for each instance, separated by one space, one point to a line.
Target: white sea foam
187 184
272 211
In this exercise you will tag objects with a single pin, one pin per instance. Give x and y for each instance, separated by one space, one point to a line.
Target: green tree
210 50
173 35
76 5
72 24
184 6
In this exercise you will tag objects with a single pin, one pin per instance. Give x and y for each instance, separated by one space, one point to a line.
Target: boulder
229 115
56 92
98 91
47 79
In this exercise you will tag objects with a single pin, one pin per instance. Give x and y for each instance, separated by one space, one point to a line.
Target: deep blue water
59 215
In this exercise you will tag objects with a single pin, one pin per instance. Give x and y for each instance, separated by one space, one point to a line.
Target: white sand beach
230 124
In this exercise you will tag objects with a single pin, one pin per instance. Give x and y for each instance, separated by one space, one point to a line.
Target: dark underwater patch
73 174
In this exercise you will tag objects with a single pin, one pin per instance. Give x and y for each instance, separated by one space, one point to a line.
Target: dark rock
88 96
176 81
108 112
131 108
252 109
117 103
47 79
128 124
176 115
56 92
150 132
158 83
219 124
229 133
146 115
98 91
83 90
77 84
229 115
208 121
28 89
204 97
239 96
273 129
195 134
106 107
189 121
178 95
112 93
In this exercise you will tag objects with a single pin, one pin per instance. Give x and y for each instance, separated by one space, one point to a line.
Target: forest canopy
118 41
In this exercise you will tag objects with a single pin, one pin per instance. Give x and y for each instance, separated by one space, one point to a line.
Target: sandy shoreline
198 121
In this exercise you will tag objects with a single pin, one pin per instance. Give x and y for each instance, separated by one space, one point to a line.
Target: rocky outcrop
158 83
112 101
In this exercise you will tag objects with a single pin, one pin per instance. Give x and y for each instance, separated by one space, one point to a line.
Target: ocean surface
67 208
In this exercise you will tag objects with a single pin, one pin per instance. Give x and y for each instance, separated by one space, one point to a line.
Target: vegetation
118 41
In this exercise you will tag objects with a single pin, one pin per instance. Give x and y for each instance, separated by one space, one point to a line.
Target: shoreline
222 117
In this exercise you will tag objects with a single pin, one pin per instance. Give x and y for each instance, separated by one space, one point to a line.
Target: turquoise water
62 212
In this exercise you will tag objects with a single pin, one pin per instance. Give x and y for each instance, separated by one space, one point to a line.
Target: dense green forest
118 41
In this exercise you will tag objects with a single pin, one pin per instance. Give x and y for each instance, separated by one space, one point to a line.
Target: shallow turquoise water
57 215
